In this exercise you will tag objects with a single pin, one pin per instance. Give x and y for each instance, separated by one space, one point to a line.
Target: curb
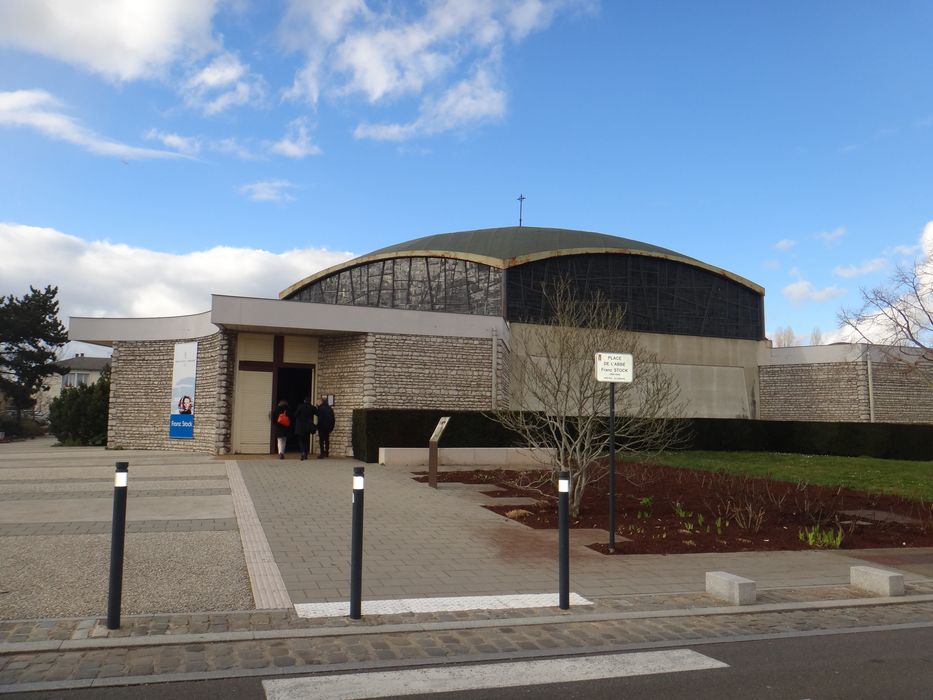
559 619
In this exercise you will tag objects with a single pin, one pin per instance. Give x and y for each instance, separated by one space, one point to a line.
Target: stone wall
433 372
902 393
141 395
838 391
835 391
343 364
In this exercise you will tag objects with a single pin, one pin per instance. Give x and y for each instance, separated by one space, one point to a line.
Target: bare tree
898 317
816 336
784 337
558 405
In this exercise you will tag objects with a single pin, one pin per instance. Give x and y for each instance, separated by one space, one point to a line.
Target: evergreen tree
30 336
79 415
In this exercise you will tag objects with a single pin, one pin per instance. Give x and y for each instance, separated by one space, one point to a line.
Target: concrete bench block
877 581
730 588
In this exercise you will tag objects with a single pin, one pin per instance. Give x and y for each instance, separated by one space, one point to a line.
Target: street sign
615 367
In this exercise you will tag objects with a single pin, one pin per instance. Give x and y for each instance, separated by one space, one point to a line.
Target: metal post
612 467
356 547
563 539
432 464
117 539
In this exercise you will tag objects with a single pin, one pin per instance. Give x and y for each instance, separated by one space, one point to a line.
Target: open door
292 384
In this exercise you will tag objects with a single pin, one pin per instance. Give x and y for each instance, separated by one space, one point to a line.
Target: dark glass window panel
659 295
425 284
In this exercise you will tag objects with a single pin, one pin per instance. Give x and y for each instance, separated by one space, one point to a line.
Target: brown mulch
666 510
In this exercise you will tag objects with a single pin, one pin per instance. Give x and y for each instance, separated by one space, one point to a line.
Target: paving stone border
314 651
108 493
105 527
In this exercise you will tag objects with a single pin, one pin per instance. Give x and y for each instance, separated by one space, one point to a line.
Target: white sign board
441 424
615 367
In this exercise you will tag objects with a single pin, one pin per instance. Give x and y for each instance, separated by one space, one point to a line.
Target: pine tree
30 336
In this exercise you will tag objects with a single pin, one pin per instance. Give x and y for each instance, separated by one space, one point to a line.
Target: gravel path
65 576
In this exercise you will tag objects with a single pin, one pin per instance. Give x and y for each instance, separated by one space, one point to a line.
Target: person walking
325 424
281 422
304 426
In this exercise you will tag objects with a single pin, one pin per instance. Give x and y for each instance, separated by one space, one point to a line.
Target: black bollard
563 539
356 547
117 539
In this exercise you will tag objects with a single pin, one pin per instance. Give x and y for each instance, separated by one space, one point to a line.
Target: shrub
79 415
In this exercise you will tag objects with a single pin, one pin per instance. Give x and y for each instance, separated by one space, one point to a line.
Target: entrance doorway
292 384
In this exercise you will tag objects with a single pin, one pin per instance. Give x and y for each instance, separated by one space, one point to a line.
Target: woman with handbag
281 423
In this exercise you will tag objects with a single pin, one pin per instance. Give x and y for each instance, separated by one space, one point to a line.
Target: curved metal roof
511 242
508 246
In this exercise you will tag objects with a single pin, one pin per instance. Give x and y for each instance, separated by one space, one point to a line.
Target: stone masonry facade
404 371
343 364
141 395
839 391
903 395
433 372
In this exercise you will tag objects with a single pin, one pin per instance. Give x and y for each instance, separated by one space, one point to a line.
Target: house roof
88 364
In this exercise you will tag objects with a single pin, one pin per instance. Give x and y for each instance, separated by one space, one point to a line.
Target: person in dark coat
325 424
281 425
304 426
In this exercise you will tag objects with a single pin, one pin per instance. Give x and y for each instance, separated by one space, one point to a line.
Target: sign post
613 367
432 451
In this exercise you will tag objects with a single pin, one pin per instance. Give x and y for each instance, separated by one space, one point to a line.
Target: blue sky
154 152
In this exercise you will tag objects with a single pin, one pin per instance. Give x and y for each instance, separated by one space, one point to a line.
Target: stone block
877 581
730 588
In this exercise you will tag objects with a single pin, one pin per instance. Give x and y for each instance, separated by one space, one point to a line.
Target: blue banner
184 371
180 426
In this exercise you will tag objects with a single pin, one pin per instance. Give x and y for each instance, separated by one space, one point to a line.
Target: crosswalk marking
416 681
429 605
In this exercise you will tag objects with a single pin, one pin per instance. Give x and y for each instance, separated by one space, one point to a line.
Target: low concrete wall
511 457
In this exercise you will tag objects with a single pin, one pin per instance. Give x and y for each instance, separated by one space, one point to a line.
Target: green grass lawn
902 477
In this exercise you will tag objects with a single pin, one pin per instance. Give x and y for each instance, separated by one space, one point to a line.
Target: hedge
375 428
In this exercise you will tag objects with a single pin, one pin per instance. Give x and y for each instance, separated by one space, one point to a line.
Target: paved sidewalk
292 520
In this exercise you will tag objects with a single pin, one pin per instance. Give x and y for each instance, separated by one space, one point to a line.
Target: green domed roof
509 244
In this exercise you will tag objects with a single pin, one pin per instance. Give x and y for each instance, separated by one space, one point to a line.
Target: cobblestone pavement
76 653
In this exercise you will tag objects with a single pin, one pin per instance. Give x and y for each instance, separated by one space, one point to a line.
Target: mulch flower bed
665 510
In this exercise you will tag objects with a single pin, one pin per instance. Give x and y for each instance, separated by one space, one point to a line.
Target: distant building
81 370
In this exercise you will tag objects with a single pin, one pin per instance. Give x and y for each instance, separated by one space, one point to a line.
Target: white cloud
296 143
902 250
231 146
926 241
121 39
771 265
802 291
831 238
188 145
785 244
849 271
41 111
432 54
470 101
269 191
223 83
99 278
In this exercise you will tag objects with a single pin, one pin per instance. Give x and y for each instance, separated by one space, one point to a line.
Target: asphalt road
886 664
